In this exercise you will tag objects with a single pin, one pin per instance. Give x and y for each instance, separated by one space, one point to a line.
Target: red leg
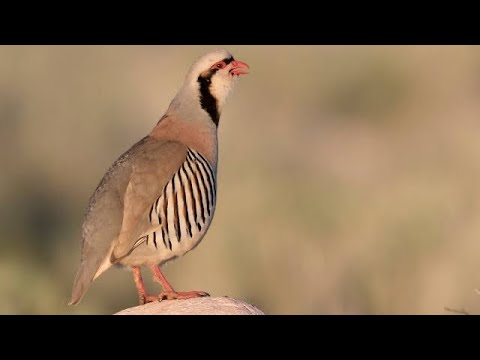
142 293
168 293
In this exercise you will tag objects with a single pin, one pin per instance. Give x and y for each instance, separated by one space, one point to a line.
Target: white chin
222 87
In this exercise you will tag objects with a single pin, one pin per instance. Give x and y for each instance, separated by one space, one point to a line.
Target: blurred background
349 176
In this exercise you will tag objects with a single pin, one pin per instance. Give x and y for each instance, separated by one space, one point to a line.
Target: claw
145 299
181 295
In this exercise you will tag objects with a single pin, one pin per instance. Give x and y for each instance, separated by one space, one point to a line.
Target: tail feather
84 278
80 285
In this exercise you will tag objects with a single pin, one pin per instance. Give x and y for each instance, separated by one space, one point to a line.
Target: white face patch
222 86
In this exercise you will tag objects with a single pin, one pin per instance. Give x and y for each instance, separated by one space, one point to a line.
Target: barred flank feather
185 206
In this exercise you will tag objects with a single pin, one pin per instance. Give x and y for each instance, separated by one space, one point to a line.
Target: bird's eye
219 65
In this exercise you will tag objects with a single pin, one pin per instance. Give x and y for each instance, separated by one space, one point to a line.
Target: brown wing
114 213
150 174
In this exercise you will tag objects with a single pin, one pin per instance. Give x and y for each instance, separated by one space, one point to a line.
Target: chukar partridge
156 201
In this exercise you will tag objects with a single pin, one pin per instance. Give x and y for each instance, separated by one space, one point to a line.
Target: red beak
239 68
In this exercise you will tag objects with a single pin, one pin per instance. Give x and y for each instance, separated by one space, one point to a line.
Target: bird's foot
145 299
181 295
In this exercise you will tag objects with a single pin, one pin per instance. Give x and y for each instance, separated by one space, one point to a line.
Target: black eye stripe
226 61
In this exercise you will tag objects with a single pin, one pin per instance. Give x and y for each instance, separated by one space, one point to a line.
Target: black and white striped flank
186 206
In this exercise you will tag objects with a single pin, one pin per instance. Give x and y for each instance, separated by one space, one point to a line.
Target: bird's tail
85 275
90 268
80 285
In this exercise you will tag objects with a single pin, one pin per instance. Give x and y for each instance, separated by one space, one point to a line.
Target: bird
157 200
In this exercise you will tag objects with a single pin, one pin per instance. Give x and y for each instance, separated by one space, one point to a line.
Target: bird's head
210 81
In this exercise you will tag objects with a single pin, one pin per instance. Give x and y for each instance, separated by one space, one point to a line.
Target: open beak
239 68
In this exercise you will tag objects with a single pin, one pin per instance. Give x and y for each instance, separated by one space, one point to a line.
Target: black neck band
207 100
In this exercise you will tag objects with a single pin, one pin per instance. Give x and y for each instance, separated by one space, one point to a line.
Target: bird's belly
160 246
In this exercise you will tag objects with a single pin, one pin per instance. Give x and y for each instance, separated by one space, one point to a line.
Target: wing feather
115 216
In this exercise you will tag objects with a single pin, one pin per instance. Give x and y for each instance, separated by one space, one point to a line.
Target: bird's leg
142 293
168 293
